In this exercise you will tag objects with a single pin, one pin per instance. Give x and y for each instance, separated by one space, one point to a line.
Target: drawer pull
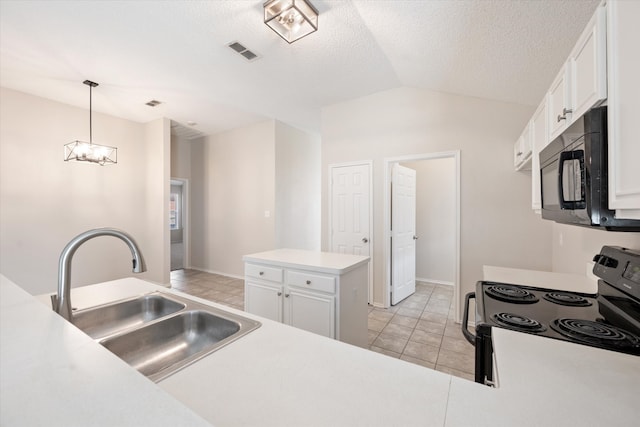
308 282
286 295
262 273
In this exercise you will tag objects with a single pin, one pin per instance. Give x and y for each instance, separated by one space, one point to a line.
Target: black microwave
573 176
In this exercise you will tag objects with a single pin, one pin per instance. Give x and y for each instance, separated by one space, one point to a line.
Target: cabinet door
589 66
623 107
263 299
539 140
310 311
522 151
559 102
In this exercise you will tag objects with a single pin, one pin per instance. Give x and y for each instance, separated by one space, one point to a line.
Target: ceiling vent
153 103
240 49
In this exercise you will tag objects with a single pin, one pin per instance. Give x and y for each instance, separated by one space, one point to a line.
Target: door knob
365 240
415 237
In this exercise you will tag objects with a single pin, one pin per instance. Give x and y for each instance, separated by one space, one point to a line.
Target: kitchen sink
168 345
159 334
103 321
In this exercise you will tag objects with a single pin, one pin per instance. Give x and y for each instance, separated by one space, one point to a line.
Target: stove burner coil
597 334
512 294
564 298
518 322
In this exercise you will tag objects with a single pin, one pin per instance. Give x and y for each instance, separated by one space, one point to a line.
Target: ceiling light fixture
88 151
291 19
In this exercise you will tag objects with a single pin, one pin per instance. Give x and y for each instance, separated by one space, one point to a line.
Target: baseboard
216 272
434 281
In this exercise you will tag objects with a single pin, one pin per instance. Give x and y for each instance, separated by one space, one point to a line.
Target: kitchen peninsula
53 374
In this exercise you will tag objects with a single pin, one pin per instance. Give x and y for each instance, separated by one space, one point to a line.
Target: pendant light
291 19
88 151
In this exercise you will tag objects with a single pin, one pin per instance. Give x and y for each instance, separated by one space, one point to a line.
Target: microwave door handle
564 156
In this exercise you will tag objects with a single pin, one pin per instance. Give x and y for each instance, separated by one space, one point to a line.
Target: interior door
403 233
350 209
350 212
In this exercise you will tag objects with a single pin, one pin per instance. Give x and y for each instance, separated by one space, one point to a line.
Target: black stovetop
568 316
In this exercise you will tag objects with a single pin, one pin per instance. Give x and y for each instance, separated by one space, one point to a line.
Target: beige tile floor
420 329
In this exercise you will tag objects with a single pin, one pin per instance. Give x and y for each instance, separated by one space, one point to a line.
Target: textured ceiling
176 52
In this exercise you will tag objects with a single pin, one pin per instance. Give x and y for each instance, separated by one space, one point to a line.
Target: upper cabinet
582 82
522 151
539 137
603 67
623 18
588 66
560 101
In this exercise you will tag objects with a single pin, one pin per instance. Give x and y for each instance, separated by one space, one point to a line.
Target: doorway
437 225
350 211
178 223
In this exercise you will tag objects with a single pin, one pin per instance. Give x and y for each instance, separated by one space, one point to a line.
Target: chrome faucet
62 302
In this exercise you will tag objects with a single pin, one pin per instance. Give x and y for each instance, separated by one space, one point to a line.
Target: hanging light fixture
88 151
291 19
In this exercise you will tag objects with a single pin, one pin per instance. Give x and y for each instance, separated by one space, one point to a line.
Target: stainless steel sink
159 334
103 321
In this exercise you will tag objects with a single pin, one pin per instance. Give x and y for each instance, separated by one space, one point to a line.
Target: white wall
45 202
233 183
435 219
297 188
574 246
498 226
238 176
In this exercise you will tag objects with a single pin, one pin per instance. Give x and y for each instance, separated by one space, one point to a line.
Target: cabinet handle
286 295
308 282
565 111
415 237
365 240
519 153
261 273
279 293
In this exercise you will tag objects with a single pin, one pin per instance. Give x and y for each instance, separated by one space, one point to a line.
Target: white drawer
311 281
271 274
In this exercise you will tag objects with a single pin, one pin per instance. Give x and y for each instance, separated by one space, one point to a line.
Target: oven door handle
465 319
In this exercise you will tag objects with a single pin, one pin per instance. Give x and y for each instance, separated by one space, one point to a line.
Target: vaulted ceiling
176 52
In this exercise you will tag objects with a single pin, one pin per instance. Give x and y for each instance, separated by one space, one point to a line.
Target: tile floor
420 329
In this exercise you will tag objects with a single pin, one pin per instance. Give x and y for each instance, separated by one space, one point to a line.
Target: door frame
186 220
386 217
330 215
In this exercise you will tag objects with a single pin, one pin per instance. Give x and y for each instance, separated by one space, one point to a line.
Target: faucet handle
54 302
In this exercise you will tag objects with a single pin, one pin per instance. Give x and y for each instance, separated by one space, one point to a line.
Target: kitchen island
283 376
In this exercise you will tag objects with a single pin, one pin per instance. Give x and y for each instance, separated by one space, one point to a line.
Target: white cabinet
522 151
560 102
324 293
624 107
582 82
539 136
588 65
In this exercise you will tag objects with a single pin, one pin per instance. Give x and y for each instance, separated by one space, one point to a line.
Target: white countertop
327 262
541 279
548 382
52 374
282 376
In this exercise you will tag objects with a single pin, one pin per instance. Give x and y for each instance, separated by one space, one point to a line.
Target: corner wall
498 226
45 202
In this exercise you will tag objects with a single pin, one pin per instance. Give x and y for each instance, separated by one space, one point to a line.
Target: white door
403 233
350 196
